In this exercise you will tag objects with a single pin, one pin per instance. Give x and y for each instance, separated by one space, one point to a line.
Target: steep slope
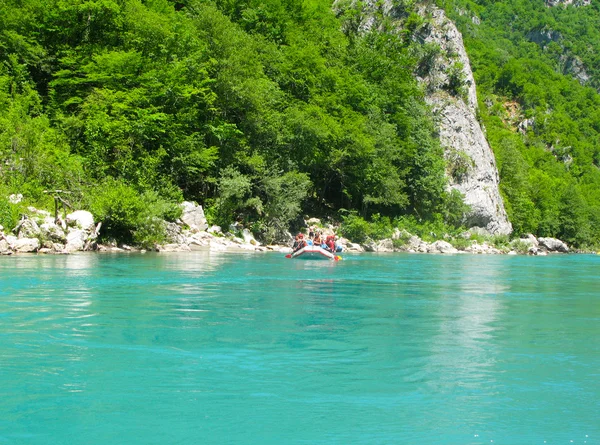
471 163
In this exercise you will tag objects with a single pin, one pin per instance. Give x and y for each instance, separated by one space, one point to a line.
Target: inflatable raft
315 253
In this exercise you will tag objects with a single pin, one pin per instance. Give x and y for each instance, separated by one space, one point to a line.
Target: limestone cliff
471 163
446 75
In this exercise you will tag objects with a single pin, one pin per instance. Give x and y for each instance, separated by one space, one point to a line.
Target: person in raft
330 244
323 242
317 239
338 244
299 243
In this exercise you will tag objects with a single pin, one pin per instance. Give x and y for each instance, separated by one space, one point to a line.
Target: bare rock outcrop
38 231
441 247
81 219
193 216
553 245
460 133
5 247
26 245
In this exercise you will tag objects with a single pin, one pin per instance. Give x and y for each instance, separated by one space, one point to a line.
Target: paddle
289 255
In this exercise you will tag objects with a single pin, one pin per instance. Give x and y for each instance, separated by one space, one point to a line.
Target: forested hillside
257 110
538 74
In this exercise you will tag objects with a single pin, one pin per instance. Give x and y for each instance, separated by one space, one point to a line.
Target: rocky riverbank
403 241
40 232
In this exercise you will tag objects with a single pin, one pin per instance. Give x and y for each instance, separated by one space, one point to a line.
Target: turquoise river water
199 348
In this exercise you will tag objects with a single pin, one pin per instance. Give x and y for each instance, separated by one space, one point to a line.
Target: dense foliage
537 73
257 110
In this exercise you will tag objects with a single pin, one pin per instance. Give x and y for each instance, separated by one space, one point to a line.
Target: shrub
479 238
461 243
359 230
457 81
150 232
380 227
355 228
500 241
428 230
459 164
520 246
454 210
129 216
9 214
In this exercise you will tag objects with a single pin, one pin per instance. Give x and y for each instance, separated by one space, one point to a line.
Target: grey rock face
75 240
81 219
544 36
193 216
460 132
28 229
441 247
386 245
553 245
574 66
52 231
26 245
174 233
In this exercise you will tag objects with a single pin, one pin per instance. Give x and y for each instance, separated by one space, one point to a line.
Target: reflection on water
463 352
197 262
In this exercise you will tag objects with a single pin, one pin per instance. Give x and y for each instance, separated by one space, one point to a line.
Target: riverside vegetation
265 110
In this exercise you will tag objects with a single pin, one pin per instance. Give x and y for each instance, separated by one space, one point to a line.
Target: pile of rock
38 231
403 241
192 232
543 246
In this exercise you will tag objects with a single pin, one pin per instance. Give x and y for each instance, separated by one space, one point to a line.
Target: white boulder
553 245
386 245
174 248
441 247
52 231
4 247
353 247
193 216
28 228
75 240
214 229
249 238
27 245
81 219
